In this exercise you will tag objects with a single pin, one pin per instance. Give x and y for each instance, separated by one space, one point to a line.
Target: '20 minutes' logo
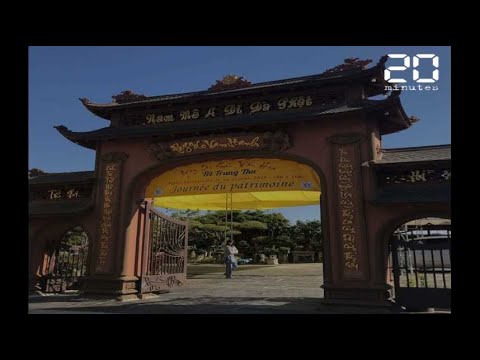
434 76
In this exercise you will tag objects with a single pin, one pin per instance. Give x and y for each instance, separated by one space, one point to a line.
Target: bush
208 260
412 281
270 251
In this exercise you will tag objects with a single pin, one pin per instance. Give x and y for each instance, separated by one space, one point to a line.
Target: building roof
429 221
415 154
397 121
65 177
336 75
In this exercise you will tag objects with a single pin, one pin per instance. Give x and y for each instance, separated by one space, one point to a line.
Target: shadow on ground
57 298
215 305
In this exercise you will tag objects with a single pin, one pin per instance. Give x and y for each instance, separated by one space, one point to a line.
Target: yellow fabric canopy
240 201
256 183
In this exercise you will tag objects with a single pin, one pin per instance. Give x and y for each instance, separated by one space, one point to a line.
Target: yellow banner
240 201
235 176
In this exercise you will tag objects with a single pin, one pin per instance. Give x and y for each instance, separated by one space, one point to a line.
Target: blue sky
59 76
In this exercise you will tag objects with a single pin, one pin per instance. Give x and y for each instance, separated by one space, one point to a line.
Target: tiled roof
208 93
416 154
340 75
62 177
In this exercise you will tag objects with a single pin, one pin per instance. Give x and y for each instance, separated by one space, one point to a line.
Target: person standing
230 260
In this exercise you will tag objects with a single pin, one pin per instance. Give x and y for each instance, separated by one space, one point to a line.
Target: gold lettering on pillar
105 233
107 220
348 215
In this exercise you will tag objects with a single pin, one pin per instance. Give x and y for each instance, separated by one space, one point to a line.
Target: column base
152 294
357 296
120 288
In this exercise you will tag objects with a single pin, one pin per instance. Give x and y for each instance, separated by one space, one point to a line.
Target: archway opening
65 265
236 199
419 266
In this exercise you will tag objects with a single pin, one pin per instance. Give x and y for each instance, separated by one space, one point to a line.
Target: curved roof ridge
288 81
413 148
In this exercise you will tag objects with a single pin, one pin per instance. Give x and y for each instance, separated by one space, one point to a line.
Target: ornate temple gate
164 251
330 122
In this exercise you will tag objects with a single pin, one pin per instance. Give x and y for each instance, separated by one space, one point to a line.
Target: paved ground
288 288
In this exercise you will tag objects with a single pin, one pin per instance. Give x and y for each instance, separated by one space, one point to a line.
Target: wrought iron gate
164 253
421 272
66 265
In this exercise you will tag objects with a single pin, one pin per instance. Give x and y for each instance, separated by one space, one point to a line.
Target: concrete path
254 289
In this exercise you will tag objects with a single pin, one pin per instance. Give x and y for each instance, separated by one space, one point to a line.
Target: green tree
184 214
308 234
208 236
35 172
254 231
277 224
76 236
